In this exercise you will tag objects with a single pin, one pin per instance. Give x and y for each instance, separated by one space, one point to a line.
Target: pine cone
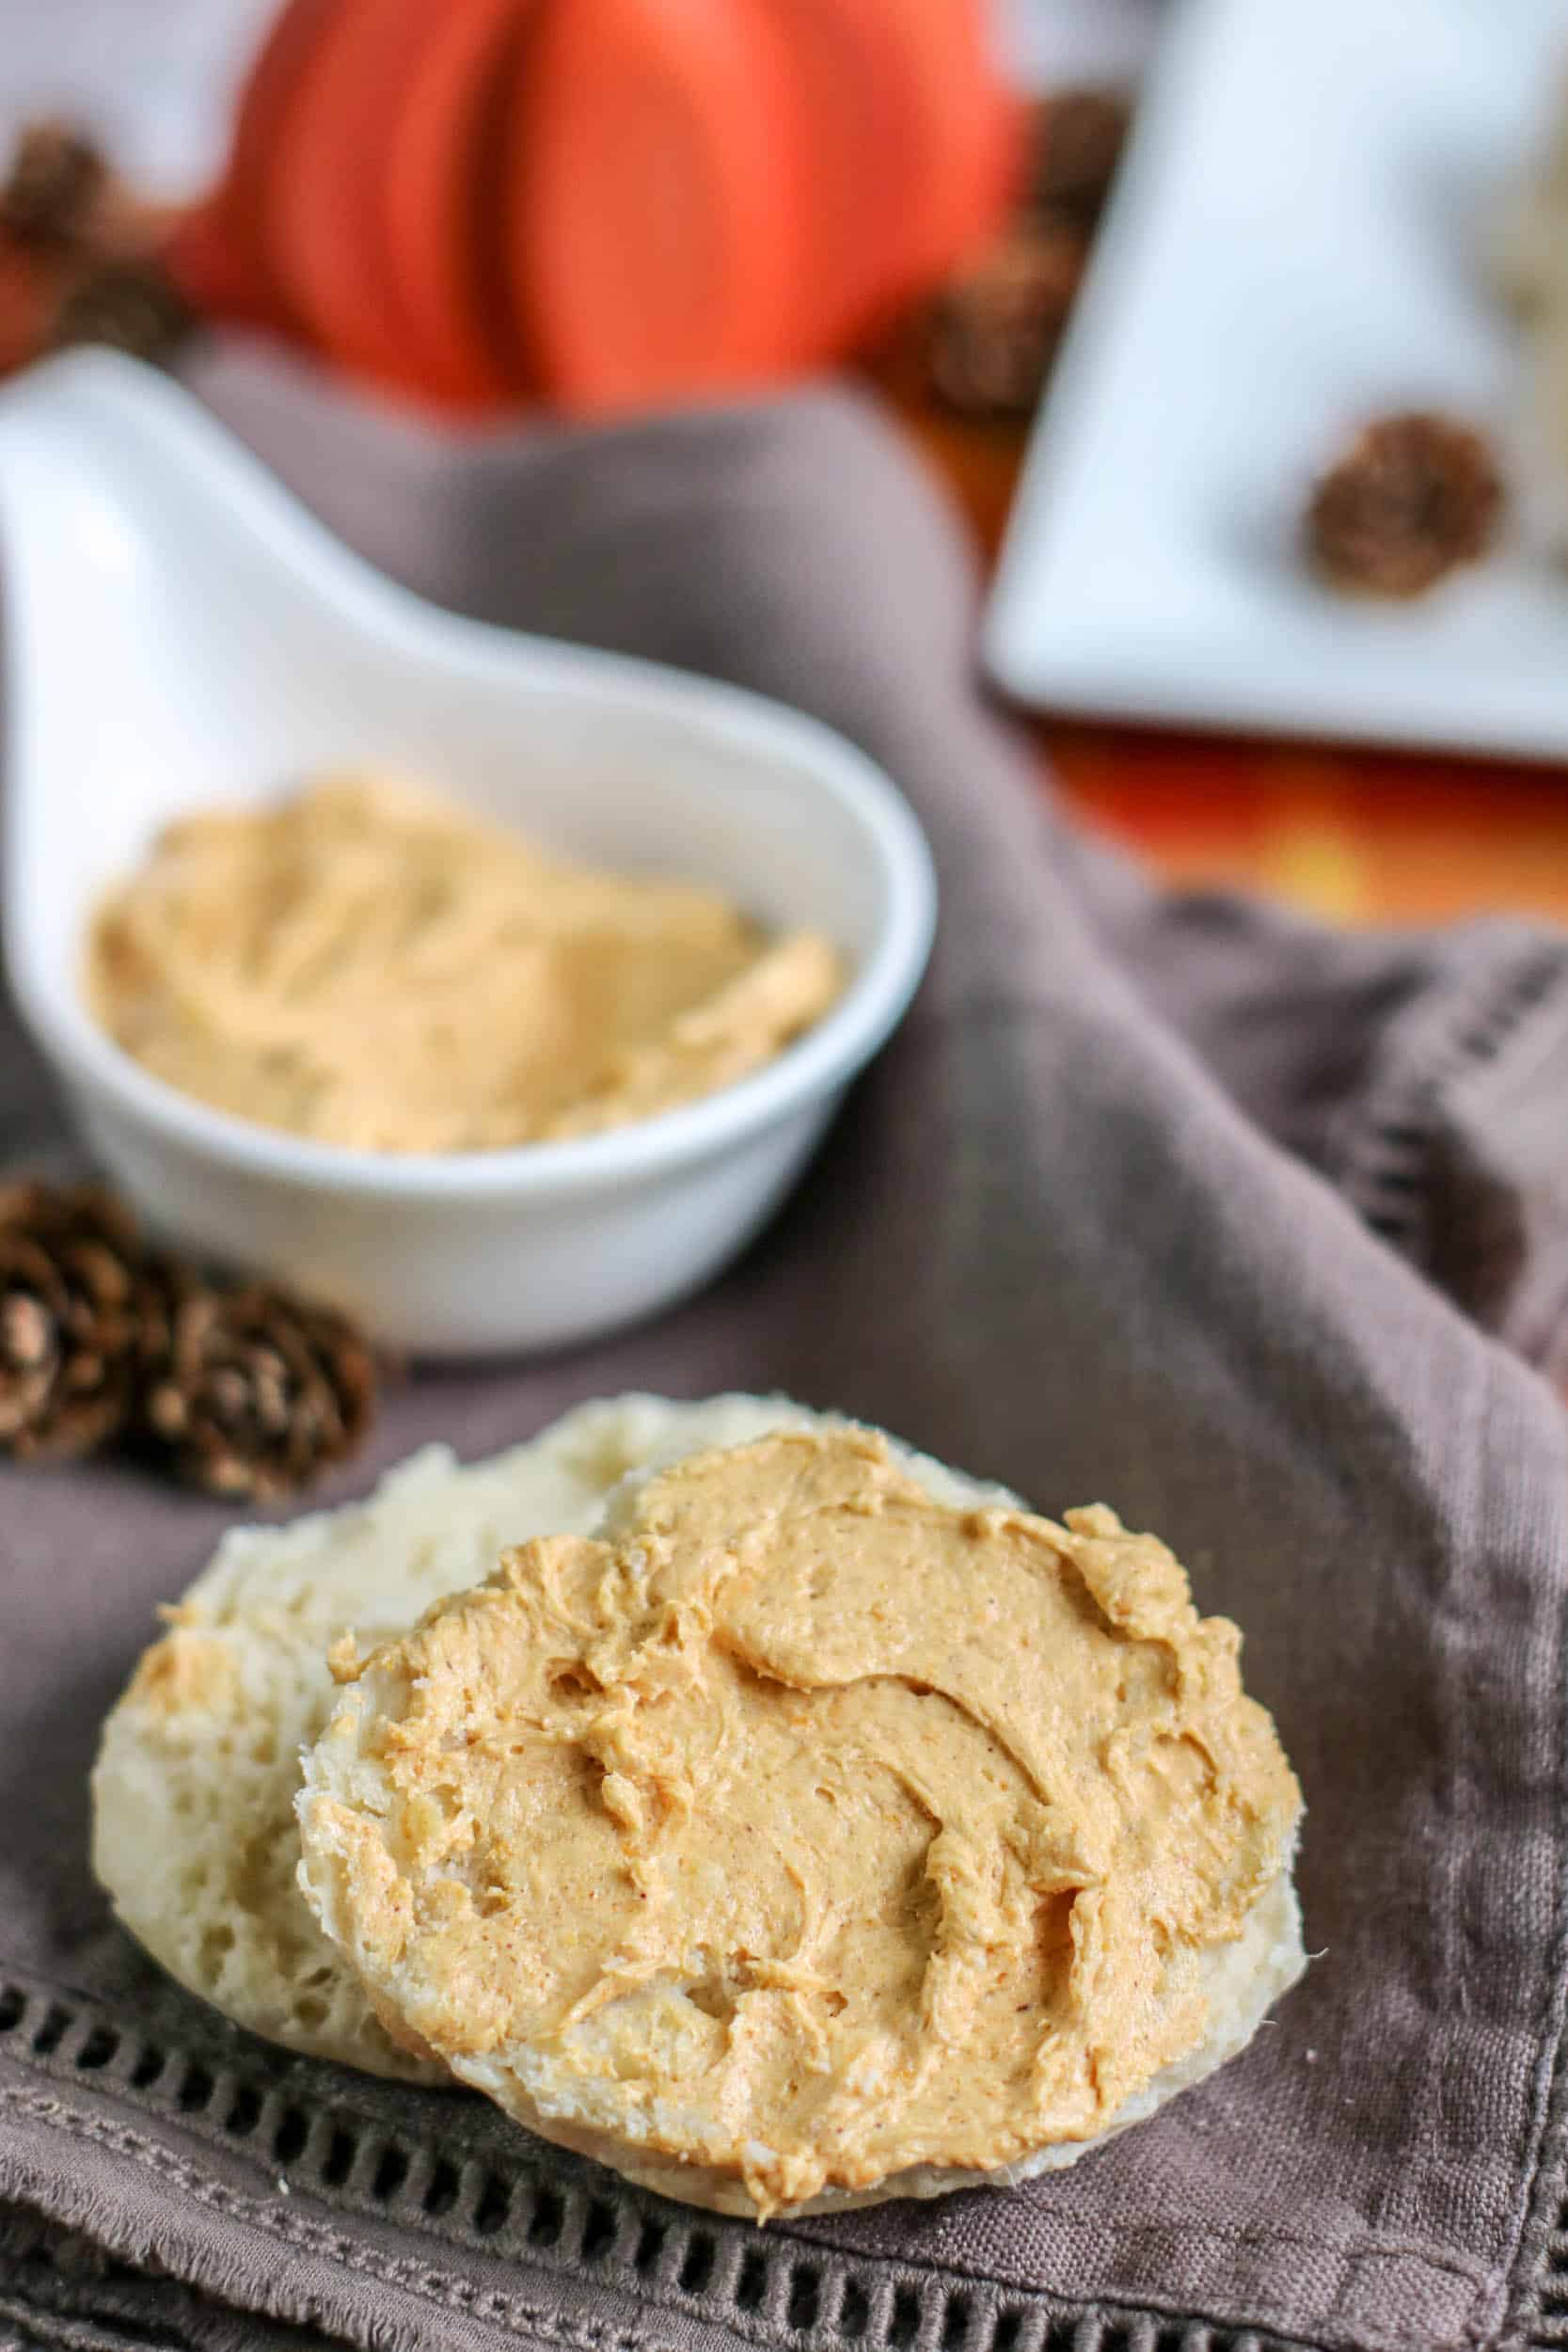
1412 497
70 1320
1076 143
128 302
993 332
258 1391
53 194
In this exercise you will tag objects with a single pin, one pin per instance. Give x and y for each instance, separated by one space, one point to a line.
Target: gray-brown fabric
1154 1201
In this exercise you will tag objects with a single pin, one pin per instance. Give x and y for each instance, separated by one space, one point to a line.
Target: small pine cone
258 1390
70 1320
53 193
127 301
993 333
1076 143
1412 497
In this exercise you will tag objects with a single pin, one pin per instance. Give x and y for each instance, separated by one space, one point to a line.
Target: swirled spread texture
369 967
802 1831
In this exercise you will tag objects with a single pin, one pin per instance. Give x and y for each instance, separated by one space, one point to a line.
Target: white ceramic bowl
179 632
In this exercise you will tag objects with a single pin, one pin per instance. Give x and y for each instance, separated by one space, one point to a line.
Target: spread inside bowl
367 965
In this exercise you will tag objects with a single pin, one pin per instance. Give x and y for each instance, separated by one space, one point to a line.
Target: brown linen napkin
1152 1199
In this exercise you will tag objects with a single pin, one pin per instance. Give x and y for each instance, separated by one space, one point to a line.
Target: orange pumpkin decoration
657 199
322 227
970 129
216 252
605 203
909 137
442 191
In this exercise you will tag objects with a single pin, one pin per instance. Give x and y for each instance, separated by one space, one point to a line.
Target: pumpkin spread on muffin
812 1831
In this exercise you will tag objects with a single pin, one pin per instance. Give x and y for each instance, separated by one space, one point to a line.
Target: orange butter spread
804 1827
369 967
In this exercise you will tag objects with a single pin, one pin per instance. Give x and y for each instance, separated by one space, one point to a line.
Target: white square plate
1296 243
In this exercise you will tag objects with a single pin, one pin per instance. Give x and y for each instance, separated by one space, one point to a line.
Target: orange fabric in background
1359 836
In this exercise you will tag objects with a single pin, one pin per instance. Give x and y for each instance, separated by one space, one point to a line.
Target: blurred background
1281 597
